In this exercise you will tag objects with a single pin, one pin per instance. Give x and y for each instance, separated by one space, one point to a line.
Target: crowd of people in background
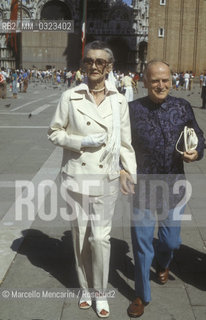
18 79
183 80
126 82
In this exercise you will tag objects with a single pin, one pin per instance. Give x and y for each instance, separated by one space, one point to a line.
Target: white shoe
102 304
85 301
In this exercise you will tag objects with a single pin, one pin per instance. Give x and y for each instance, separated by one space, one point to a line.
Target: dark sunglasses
100 63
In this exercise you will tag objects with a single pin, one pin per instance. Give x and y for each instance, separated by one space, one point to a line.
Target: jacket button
100 166
83 164
88 123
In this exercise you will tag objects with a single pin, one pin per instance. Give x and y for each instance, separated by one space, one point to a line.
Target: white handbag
190 140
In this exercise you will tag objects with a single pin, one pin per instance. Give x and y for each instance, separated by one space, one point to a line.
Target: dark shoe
162 274
136 308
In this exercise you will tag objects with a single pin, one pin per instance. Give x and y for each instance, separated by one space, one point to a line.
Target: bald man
156 122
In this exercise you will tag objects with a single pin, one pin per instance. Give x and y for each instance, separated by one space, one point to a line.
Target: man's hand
126 182
190 156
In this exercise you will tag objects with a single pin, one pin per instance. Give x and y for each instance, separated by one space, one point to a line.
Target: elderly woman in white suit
91 124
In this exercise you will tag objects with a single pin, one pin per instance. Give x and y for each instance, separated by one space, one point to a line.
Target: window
161 33
162 2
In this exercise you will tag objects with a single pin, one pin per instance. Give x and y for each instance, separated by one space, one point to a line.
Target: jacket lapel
104 109
86 107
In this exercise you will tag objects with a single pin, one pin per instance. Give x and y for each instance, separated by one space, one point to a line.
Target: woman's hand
94 140
126 182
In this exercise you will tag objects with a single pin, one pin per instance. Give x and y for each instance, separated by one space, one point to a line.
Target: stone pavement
38 278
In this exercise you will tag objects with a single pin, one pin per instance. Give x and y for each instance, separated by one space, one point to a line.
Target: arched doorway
120 49
70 43
142 54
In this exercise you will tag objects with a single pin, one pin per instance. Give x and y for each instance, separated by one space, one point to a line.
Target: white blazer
77 116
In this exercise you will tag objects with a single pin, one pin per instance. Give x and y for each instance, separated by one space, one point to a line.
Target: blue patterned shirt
155 131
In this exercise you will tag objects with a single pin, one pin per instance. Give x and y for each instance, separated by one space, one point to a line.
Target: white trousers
129 93
186 84
91 235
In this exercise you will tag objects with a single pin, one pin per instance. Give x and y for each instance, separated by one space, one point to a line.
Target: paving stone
168 304
200 313
191 238
202 232
31 309
196 291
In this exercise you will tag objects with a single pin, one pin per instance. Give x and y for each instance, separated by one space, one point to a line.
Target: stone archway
120 49
142 54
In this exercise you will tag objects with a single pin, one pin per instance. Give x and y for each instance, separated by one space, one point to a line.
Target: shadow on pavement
57 258
53 255
189 265
120 262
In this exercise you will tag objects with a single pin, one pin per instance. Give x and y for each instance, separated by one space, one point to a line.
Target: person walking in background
127 83
181 80
58 77
203 93
177 81
156 123
69 78
174 76
136 81
19 80
3 83
92 126
25 81
191 80
78 77
186 80
201 79
14 83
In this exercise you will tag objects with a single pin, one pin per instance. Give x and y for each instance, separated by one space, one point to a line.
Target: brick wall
183 43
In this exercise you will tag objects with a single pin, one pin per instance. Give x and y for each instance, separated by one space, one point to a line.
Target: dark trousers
203 96
3 90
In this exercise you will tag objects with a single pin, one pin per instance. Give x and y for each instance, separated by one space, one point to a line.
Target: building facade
123 27
177 34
